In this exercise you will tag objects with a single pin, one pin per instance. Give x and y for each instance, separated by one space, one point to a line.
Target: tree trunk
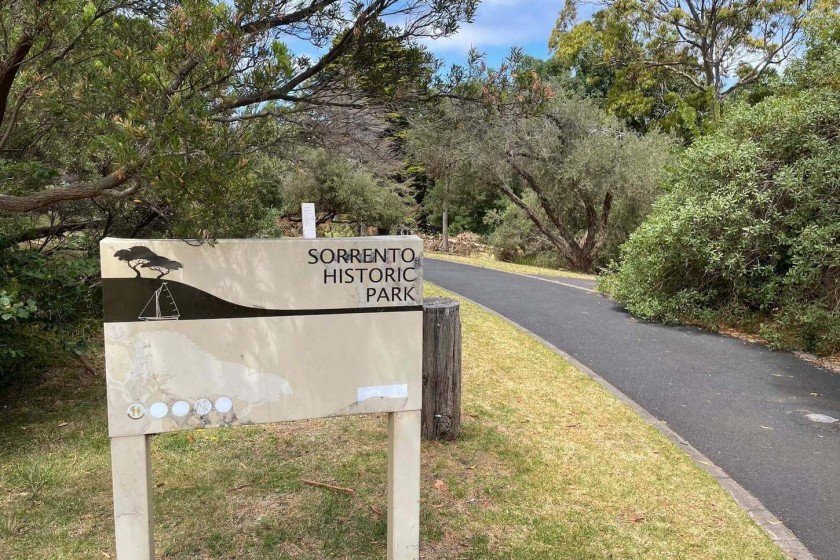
441 369
445 241
581 259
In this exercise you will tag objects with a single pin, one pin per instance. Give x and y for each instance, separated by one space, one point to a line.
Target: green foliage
750 232
669 64
515 238
468 208
341 187
15 310
49 309
606 59
579 176
387 70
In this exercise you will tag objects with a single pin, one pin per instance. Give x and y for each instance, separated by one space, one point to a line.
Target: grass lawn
487 261
550 467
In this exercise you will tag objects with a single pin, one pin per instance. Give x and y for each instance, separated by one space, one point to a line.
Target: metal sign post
256 331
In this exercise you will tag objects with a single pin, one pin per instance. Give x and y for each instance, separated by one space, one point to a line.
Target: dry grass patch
549 467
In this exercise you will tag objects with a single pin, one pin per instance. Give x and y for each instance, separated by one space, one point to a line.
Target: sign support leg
403 485
133 516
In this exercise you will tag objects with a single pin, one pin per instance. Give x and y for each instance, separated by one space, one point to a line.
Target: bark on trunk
10 71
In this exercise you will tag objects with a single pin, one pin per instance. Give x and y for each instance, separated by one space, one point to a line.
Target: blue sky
500 25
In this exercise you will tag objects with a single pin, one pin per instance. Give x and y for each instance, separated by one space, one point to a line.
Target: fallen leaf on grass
441 486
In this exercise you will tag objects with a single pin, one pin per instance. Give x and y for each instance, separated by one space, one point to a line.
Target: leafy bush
516 239
49 309
339 186
749 232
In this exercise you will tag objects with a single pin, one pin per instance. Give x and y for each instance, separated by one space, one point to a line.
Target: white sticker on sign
203 407
382 392
158 410
180 409
223 405
307 212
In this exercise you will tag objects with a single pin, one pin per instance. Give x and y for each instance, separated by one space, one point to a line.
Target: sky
498 26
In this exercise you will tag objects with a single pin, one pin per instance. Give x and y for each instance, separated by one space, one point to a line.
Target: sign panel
307 214
252 331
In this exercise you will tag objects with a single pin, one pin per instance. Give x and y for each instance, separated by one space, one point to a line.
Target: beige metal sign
232 332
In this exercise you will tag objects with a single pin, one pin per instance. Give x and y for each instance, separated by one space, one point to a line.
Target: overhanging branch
340 47
78 191
286 19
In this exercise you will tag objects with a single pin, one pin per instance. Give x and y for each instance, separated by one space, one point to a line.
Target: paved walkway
754 412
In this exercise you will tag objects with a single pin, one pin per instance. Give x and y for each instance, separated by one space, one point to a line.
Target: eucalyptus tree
675 61
575 172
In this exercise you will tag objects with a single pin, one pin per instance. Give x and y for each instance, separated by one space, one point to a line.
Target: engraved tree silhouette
162 265
136 256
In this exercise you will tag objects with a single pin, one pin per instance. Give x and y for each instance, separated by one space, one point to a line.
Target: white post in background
307 214
444 246
404 485
133 514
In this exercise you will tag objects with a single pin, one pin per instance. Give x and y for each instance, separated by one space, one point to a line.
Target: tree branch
106 185
286 19
11 68
78 191
567 237
47 231
340 47
558 242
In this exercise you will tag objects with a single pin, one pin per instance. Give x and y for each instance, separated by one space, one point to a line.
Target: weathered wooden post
441 369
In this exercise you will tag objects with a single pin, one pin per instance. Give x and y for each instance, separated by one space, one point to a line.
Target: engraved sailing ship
161 306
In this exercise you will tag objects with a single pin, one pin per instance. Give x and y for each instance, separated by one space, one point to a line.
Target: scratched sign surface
253 331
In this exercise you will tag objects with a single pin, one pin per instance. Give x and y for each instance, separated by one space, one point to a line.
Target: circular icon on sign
223 405
158 410
203 407
136 411
180 409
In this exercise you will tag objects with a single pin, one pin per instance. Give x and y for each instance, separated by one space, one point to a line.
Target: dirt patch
831 363
465 244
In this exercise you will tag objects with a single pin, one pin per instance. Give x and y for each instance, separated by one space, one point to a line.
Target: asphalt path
764 417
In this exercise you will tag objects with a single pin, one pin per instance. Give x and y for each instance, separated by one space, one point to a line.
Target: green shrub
50 308
748 234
